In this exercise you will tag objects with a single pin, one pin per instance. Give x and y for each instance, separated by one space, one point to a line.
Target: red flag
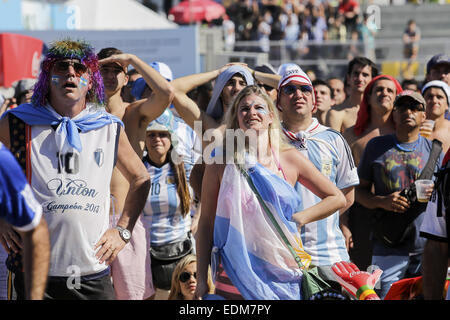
19 57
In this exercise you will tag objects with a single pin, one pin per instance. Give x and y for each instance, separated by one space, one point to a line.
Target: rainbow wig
69 49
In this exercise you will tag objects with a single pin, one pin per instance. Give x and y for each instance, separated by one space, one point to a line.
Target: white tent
117 15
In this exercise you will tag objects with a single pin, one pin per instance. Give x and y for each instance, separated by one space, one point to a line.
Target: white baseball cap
163 70
292 73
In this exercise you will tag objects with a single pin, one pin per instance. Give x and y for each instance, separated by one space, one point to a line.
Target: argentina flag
254 256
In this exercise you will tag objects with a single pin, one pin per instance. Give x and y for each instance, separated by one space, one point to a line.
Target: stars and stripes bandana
301 137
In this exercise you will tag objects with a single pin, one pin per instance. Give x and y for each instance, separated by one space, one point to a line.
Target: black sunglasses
267 88
290 89
63 66
115 69
413 107
153 134
185 276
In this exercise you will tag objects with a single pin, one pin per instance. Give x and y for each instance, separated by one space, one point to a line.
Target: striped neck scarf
302 136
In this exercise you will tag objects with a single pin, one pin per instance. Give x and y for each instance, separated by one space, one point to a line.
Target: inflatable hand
359 283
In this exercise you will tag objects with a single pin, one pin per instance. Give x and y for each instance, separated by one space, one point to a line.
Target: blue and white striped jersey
189 145
162 211
17 202
330 153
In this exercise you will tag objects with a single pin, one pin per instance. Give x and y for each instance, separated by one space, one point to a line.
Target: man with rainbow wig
68 146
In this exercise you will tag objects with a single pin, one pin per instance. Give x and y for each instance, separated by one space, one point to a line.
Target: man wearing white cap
131 268
329 152
437 97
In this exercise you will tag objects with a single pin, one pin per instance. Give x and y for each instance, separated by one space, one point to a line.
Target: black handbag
394 229
164 259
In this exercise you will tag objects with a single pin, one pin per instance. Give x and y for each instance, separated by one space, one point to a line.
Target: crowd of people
226 184
303 25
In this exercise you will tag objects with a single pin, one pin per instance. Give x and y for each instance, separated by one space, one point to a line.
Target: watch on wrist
125 234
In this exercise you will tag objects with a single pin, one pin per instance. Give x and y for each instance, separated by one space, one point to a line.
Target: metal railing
331 57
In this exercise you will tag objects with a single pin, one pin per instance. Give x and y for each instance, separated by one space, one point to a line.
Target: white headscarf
438 84
215 108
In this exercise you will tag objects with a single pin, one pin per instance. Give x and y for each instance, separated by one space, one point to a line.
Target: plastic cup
421 188
426 129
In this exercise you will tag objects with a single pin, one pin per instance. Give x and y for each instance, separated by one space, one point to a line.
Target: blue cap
138 88
437 59
139 85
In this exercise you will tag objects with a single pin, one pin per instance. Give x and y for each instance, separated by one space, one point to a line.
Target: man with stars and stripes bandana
329 152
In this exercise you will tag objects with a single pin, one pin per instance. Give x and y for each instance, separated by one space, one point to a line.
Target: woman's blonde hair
276 137
175 289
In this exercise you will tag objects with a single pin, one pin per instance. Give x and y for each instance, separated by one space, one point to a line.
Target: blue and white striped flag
254 256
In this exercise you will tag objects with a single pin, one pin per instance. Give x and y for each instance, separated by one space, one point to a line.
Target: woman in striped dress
166 215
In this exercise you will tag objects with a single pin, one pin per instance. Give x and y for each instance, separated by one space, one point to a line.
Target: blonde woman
184 279
249 259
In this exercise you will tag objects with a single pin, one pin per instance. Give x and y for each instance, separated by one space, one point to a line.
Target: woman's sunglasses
185 276
63 66
154 134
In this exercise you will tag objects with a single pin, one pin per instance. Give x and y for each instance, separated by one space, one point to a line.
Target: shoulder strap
428 170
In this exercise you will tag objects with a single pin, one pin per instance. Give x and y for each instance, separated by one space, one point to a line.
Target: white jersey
331 155
434 226
162 215
74 193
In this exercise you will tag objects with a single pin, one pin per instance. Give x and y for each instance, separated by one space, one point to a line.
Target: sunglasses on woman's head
185 276
63 66
290 89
